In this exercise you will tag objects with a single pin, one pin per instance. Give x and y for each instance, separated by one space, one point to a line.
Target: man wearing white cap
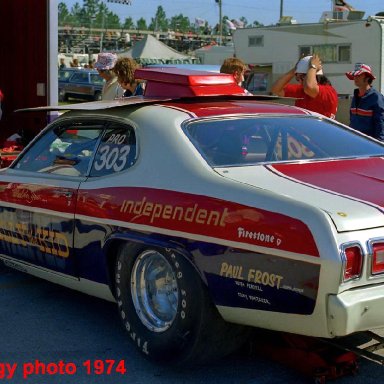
313 91
104 65
367 106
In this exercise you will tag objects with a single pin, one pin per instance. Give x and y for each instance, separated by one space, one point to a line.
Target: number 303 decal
112 158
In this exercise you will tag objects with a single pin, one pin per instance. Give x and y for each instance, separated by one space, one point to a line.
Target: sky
264 11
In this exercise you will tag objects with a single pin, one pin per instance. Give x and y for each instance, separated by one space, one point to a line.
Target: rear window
247 141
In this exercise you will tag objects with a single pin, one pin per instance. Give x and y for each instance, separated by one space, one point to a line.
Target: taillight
353 262
377 258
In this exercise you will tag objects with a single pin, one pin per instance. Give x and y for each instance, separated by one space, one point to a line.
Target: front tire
166 310
97 96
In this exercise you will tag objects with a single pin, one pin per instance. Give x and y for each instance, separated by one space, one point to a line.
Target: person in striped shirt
367 106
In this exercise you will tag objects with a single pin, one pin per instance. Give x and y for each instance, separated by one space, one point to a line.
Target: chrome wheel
154 291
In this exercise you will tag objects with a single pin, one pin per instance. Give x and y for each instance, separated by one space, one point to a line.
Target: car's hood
350 191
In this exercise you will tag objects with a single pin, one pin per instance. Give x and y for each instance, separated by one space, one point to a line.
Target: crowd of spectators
82 40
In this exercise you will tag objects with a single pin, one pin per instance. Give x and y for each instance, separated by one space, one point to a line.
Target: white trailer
273 50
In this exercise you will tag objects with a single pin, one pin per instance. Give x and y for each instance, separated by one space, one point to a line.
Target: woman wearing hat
367 106
104 65
313 90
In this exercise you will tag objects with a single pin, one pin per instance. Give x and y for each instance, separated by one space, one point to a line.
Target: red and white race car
202 212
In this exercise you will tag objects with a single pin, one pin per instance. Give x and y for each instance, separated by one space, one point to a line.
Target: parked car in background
80 83
202 212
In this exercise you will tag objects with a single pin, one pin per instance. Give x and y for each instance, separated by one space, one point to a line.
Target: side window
81 77
96 79
117 151
64 150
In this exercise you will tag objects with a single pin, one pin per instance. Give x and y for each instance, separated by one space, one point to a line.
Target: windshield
251 140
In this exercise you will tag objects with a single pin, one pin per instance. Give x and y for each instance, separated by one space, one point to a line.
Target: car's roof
77 69
204 107
192 67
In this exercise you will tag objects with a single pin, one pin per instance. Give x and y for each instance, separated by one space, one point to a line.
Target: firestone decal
260 236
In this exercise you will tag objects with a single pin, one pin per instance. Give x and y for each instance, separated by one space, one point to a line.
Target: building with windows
341 42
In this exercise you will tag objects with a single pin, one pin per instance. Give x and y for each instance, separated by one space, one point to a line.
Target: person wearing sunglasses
104 65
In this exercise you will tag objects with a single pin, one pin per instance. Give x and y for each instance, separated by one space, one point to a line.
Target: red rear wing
176 83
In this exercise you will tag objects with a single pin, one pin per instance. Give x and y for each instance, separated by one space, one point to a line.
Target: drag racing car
203 213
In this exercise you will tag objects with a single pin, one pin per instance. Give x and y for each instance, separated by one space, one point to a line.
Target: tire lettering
145 348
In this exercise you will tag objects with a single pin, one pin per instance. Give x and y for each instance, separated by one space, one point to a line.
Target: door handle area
66 193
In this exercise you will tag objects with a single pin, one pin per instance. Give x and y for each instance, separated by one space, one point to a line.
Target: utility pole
220 22
281 9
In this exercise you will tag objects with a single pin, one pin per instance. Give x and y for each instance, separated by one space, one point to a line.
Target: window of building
345 53
329 53
305 51
256 41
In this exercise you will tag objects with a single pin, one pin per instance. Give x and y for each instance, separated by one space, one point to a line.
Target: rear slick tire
166 310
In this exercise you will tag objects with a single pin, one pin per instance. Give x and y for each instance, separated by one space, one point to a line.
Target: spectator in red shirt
313 91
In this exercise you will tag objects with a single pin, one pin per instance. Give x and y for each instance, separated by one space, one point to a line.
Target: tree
129 23
94 14
244 21
224 26
180 23
160 22
91 8
257 24
77 15
63 14
113 21
142 24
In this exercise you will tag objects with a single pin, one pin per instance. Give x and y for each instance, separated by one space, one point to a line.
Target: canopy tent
149 50
214 54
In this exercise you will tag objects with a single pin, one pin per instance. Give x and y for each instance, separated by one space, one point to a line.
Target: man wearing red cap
367 106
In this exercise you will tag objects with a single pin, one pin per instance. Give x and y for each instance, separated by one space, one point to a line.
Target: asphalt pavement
50 334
